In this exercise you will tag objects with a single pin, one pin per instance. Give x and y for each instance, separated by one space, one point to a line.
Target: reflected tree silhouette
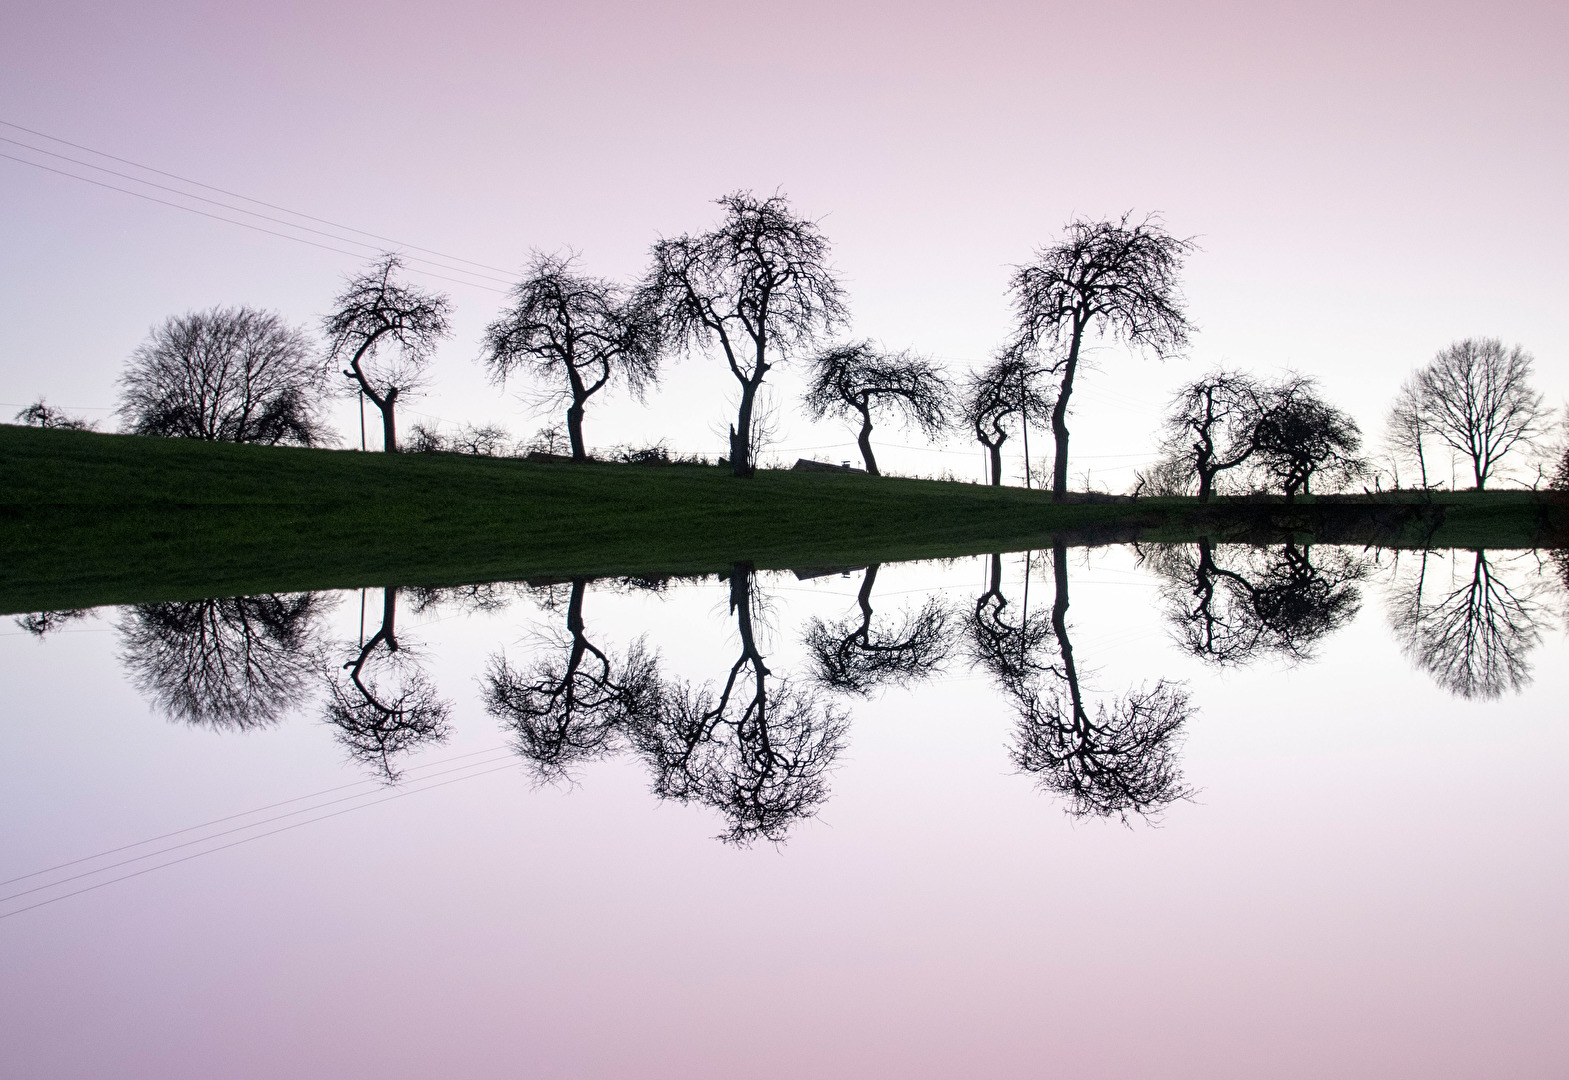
381 700
1235 605
1012 653
856 656
40 624
1475 641
755 747
1122 759
1110 758
574 702
231 664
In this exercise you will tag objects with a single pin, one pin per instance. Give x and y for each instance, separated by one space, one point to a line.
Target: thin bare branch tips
1476 398
1000 397
381 336
860 381
40 414
1407 431
226 375
1118 278
573 335
758 287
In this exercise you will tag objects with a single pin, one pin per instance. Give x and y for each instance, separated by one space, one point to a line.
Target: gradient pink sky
1367 181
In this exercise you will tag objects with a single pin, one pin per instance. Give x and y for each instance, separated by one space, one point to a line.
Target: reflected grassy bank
89 519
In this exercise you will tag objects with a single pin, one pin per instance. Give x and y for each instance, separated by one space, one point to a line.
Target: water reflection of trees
1472 633
1234 605
570 704
1111 758
235 663
380 700
754 746
857 655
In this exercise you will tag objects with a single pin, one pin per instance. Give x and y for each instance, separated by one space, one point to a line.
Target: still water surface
1094 812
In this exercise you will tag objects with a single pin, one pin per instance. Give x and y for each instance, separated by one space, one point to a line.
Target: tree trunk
1206 484
575 431
1059 420
996 453
865 441
1059 625
389 424
741 463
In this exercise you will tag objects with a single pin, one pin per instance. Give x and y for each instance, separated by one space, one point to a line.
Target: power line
237 195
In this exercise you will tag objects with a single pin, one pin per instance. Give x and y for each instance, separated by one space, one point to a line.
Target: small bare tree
225 375
1211 426
1406 428
859 379
40 414
1120 279
1477 398
1007 387
386 332
577 333
759 283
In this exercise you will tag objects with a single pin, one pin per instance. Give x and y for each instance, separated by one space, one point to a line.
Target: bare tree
1476 396
575 332
40 414
225 375
755 749
1211 425
1406 430
1120 759
859 379
857 656
1475 641
385 332
994 396
1298 435
575 701
235 663
759 283
1120 279
381 700
1234 605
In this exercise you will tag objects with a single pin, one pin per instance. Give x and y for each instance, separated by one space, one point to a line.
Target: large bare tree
1115 277
576 333
386 333
1298 435
1476 397
226 375
860 379
758 283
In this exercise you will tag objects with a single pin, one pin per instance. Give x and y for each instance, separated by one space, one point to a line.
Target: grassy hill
87 518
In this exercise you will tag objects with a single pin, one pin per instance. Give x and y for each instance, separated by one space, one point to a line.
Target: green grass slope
87 519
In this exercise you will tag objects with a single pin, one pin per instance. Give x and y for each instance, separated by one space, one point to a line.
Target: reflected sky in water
1194 810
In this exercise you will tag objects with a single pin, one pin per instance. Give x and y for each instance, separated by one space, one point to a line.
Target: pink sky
1367 182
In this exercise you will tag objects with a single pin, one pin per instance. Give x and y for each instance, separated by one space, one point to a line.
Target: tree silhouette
1476 640
758 283
1234 605
1012 653
855 656
40 624
1211 426
859 379
573 704
757 751
1007 387
1298 436
236 663
1476 396
577 333
381 700
386 332
1120 759
1118 278
226 375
